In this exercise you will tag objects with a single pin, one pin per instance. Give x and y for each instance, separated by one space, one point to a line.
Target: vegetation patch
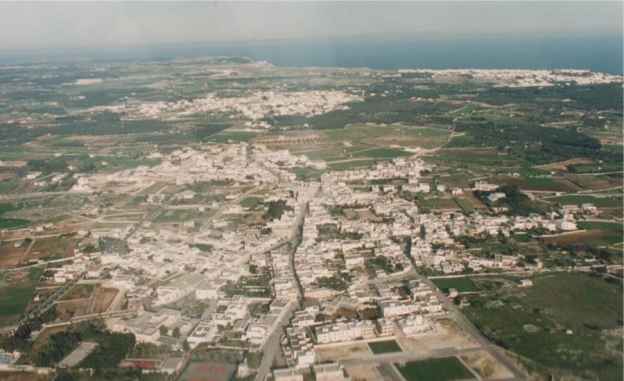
461 284
576 316
444 369
381 347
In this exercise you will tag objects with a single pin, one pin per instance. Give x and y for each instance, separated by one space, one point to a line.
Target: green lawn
444 369
461 284
588 305
381 347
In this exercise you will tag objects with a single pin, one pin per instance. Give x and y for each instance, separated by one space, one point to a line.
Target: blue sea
602 54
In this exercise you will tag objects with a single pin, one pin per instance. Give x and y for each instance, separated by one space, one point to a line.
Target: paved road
273 347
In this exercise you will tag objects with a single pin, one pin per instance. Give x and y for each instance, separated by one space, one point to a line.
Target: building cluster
254 106
525 78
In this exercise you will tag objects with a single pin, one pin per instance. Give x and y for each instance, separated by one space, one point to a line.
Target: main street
273 347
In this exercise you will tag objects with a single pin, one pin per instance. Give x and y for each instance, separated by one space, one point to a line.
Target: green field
461 284
444 369
16 293
11 223
539 181
599 225
440 203
578 200
384 153
250 202
613 148
344 165
175 215
533 321
465 204
233 137
380 135
381 347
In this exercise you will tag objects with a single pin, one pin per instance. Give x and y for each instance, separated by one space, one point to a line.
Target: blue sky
31 25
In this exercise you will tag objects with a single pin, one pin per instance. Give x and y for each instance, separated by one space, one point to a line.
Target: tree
163 330
185 346
176 332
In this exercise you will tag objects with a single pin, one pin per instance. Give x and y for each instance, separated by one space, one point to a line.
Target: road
273 347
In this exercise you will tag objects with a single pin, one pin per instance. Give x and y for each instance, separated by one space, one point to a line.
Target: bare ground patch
349 351
486 366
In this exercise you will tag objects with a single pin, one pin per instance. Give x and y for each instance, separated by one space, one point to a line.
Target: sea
595 53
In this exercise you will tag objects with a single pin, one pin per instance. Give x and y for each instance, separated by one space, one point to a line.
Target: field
461 284
546 184
347 351
381 347
250 202
79 291
533 321
465 204
383 153
233 137
596 237
104 298
444 369
392 135
16 291
9 254
175 215
208 371
599 225
440 203
465 157
24 376
582 199
73 308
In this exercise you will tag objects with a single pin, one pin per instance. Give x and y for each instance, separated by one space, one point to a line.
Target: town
256 240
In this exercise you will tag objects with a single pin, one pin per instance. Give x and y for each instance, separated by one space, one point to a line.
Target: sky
35 25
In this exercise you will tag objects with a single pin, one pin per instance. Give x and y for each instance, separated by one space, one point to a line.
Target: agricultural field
439 203
444 369
607 202
250 202
391 135
600 225
461 284
170 216
600 237
233 137
534 322
16 291
381 347
543 184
